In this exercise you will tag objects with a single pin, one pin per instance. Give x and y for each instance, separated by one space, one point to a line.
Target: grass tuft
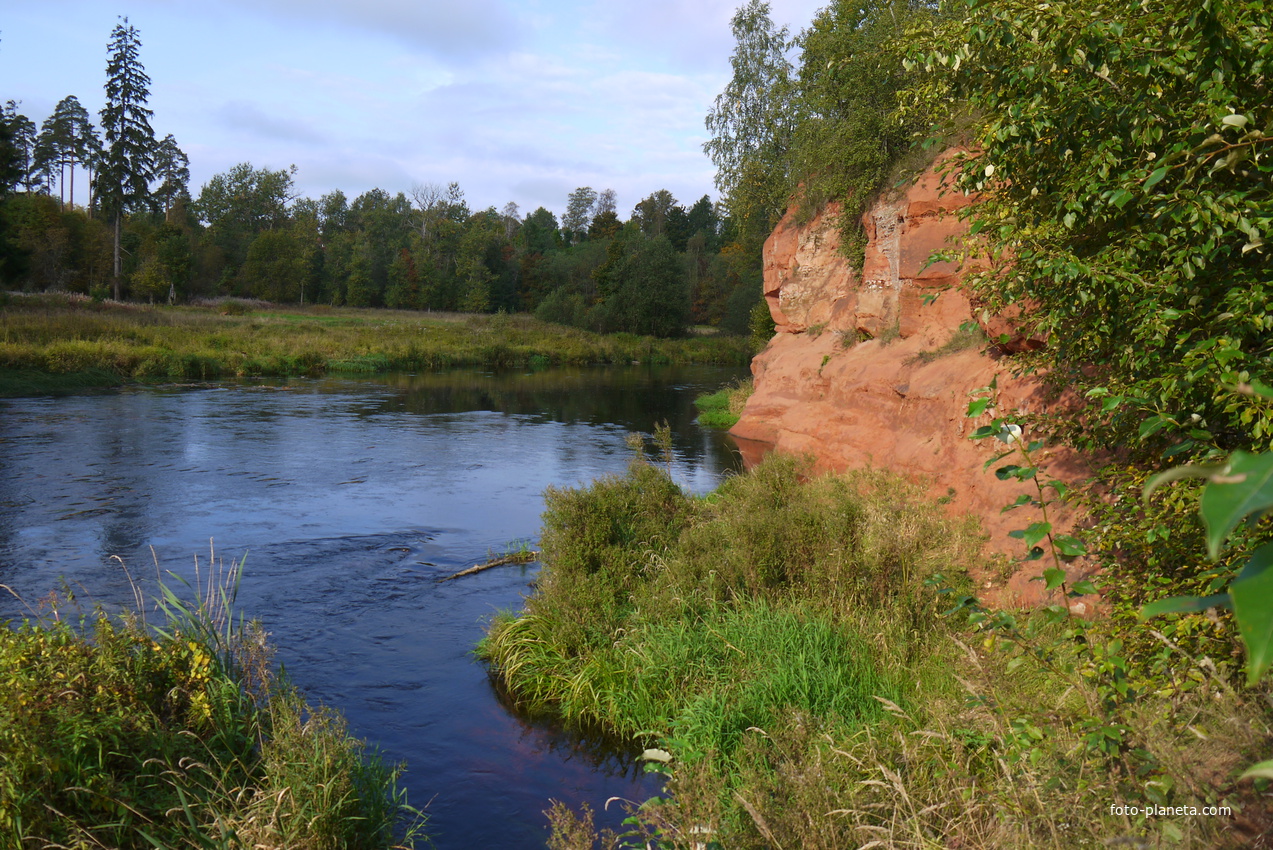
115 733
723 408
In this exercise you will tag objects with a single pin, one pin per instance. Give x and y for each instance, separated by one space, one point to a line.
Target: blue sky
516 100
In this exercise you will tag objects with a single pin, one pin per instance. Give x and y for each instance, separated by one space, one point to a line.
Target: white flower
1009 434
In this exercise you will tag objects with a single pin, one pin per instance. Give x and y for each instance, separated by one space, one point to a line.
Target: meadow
52 343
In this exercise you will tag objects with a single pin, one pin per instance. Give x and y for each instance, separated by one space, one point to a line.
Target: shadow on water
351 498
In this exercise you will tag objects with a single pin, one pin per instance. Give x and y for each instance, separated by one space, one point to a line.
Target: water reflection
351 498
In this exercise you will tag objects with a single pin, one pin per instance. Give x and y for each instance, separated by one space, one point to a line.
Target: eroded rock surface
877 368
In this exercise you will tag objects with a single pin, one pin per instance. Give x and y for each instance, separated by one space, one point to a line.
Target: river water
350 498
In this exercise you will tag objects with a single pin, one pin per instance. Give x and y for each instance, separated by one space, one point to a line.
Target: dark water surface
350 499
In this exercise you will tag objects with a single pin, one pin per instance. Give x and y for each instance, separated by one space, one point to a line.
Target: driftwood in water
504 560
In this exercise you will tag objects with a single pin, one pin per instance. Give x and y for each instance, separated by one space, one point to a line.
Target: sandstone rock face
875 369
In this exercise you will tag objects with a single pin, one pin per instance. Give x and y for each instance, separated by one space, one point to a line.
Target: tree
512 220
852 131
241 203
127 166
654 212
540 232
22 138
10 158
752 120
704 218
605 225
71 140
579 213
172 169
652 298
607 201
428 205
1124 159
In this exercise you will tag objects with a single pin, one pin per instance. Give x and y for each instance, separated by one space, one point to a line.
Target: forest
139 232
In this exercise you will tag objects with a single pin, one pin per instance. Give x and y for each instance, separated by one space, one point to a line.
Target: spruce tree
128 162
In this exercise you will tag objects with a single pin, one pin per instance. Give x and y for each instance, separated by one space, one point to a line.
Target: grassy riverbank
51 343
118 734
723 408
784 641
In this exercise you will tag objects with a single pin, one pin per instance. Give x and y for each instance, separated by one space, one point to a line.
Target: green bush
113 734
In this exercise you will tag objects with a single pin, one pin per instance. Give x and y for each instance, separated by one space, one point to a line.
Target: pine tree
172 169
128 162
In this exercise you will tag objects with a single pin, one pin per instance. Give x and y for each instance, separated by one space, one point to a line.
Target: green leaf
1070 547
978 406
1054 577
1121 198
1156 178
1023 499
1082 588
1252 593
1260 388
1184 605
1036 533
1152 425
1003 473
1176 473
1262 770
983 432
1243 487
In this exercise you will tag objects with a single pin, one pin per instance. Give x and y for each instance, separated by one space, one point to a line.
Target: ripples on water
350 498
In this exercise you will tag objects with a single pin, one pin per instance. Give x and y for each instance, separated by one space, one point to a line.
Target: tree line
140 233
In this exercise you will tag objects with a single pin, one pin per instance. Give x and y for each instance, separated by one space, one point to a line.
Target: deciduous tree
752 120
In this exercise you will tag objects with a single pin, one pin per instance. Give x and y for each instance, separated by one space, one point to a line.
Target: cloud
248 117
440 27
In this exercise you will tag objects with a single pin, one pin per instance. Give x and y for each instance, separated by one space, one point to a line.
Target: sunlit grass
59 336
779 639
723 408
116 733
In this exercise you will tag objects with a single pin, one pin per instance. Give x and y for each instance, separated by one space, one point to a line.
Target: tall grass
115 733
779 640
54 336
702 622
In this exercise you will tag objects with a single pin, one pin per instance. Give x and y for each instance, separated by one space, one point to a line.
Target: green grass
116 734
49 342
782 639
723 408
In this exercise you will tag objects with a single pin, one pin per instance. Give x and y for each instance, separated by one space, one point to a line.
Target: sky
515 100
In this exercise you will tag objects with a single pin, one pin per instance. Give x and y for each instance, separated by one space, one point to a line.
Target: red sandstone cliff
861 371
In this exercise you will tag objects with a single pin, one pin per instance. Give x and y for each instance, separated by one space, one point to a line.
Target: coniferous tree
172 169
73 140
128 161
22 137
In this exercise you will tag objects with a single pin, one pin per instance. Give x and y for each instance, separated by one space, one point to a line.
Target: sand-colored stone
854 376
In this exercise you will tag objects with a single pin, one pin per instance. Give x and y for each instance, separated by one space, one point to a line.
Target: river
350 499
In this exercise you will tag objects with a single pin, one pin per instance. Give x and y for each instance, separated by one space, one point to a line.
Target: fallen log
524 557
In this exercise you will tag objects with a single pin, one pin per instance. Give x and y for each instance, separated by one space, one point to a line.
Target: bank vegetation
53 342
